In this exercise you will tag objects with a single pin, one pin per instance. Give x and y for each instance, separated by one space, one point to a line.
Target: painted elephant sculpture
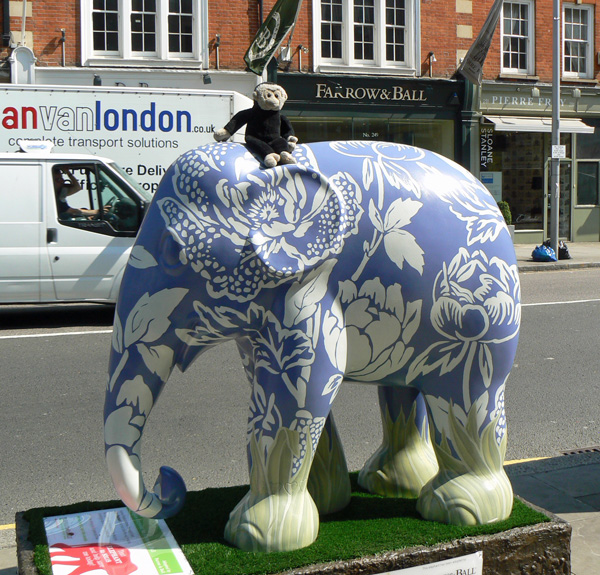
368 262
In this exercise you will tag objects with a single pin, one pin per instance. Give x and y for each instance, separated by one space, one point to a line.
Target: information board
115 542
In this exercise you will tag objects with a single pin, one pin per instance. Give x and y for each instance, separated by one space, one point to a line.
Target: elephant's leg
328 482
471 486
405 461
288 413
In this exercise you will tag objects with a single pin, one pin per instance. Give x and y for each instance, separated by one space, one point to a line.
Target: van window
90 197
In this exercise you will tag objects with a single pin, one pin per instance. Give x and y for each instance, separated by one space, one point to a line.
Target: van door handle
51 235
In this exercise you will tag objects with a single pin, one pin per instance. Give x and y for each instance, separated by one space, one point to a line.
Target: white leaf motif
117 335
368 173
375 216
401 213
141 258
118 431
401 247
149 318
333 386
136 393
303 297
158 359
117 371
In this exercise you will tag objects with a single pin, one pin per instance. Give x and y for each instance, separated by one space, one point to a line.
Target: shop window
321 129
587 183
588 145
365 34
517 26
578 38
519 160
148 30
434 135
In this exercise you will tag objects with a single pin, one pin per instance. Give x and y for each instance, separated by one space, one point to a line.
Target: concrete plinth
542 549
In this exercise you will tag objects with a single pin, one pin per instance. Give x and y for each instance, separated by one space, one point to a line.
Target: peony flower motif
476 304
274 223
367 332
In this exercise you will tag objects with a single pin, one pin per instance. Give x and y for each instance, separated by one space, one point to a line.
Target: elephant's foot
277 522
467 499
278 513
328 482
404 462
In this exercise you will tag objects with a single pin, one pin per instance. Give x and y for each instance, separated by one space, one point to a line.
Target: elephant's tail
165 500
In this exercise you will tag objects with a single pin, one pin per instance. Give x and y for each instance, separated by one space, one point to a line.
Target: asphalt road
54 371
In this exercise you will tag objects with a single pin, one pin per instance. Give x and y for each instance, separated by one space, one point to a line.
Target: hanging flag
271 34
472 65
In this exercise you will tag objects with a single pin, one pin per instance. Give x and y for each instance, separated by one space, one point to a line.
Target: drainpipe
63 40
23 22
5 23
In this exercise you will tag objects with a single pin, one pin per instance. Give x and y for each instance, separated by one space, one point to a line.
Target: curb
554 266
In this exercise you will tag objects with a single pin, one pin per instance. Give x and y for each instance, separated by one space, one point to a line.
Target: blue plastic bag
543 254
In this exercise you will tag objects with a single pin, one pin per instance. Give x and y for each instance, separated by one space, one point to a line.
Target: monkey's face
270 96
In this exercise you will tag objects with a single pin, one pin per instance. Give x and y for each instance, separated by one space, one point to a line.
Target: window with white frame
517 37
366 34
141 29
578 40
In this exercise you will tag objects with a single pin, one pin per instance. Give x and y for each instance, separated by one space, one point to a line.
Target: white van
67 225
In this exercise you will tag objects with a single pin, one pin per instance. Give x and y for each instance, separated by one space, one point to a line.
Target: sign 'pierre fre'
144 130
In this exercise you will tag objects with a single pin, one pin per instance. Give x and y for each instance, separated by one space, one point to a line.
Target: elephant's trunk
127 406
167 497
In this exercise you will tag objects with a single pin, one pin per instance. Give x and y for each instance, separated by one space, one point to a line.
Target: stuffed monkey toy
268 132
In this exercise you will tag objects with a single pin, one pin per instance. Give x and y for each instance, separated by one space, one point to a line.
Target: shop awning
531 124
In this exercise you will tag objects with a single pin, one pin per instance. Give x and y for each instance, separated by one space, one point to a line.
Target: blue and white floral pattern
365 261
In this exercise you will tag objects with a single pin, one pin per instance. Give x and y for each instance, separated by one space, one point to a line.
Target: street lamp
556 150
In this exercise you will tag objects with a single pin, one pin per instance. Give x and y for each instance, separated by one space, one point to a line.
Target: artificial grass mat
370 525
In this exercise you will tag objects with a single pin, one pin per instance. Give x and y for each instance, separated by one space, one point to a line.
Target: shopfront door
566 191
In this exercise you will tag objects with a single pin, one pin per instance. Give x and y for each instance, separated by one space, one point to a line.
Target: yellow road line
9 526
512 462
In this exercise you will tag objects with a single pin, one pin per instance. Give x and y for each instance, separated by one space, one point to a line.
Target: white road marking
56 334
560 302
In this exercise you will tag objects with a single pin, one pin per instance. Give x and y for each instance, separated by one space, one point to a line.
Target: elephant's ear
304 218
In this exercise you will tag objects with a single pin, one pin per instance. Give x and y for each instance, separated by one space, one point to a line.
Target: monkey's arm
240 119
287 133
286 127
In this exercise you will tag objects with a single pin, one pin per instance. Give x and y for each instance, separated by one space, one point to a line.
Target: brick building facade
361 69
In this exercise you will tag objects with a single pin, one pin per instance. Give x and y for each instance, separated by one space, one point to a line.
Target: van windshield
134 183
96 198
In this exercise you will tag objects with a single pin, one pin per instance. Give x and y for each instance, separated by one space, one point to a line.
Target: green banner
271 34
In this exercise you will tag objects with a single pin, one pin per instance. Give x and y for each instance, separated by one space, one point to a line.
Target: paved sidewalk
583 255
568 486
8 560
